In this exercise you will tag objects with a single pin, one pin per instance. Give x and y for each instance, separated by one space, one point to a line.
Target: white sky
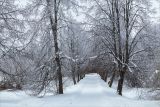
21 3
156 6
155 16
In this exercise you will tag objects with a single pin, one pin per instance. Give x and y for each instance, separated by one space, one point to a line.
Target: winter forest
79 53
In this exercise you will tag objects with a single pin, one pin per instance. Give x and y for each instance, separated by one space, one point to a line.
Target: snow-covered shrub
8 83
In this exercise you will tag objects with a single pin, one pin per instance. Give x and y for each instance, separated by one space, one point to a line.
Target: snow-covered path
89 92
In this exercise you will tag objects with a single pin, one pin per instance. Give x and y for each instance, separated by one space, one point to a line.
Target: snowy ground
89 92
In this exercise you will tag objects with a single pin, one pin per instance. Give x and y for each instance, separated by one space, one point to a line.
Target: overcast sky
155 6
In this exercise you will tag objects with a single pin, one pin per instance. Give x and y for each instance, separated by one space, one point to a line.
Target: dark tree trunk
73 64
73 77
120 59
126 58
115 36
81 76
105 77
112 78
78 77
120 83
54 24
56 47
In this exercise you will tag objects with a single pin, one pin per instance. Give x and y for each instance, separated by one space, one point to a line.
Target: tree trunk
54 28
73 77
78 78
54 24
120 56
120 83
81 76
105 77
112 78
